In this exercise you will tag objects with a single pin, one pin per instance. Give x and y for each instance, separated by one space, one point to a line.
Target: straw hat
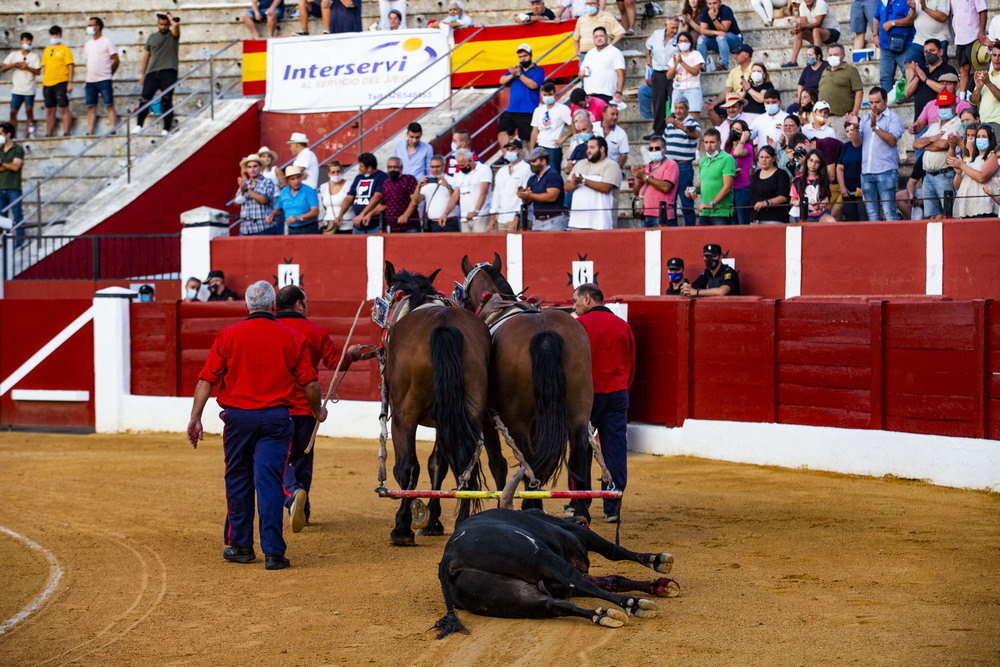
980 56
294 171
298 138
253 157
264 150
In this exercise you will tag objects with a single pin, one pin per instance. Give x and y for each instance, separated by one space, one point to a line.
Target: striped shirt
681 147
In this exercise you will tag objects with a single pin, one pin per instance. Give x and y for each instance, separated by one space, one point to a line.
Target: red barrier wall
425 253
81 289
992 366
972 259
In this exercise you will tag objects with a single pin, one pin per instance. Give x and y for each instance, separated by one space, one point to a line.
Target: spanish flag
494 49
254 66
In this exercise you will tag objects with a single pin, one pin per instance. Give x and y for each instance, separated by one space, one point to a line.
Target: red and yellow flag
495 49
254 66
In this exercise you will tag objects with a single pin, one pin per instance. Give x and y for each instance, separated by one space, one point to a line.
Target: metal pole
211 86
128 152
38 210
361 133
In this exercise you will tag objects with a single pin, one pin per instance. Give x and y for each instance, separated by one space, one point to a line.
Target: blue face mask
675 276
655 156
982 143
591 9
946 113
584 136
810 60
771 109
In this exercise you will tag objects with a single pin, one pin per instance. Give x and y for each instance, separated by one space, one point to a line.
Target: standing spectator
938 176
298 203
386 8
685 72
765 9
57 82
656 183
317 9
364 196
733 107
345 16
582 131
102 63
769 190
819 127
719 31
261 11
544 194
813 71
738 145
583 33
840 86
682 135
987 93
812 188
594 106
548 125
816 25
616 137
397 192
538 14
471 192
895 34
525 80
255 195
717 279
930 23
949 84
971 200
863 20
734 82
269 168
11 162
158 70
434 191
217 290
331 196
612 349
259 363
849 175
192 286
675 274
26 66
298 144
718 173
880 132
968 20
769 124
414 153
922 83
603 69
457 18
594 183
790 128
510 178
461 139
660 49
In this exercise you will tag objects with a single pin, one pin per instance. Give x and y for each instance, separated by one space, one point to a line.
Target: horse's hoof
610 618
432 530
420 514
663 563
645 609
401 539
665 588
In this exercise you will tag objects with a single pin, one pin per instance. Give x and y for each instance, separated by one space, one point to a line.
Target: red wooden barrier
656 394
992 366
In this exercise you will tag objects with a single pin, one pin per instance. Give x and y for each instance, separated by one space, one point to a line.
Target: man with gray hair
472 184
260 363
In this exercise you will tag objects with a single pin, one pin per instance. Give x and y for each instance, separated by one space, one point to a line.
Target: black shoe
239 555
652 135
275 562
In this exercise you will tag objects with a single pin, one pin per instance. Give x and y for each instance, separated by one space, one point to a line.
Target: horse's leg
560 577
579 466
437 466
661 562
406 471
662 587
498 464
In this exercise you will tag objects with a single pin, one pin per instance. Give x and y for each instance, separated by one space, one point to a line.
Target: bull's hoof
645 609
662 563
401 538
610 618
665 588
420 514
432 529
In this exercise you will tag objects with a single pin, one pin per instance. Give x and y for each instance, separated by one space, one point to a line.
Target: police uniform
261 366
726 276
675 264
299 469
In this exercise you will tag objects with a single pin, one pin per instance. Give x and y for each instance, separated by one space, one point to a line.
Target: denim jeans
685 179
555 157
741 200
880 189
646 102
935 185
654 221
373 230
713 221
887 70
15 213
722 46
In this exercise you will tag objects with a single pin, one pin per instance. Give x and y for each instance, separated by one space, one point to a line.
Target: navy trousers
610 417
256 444
299 471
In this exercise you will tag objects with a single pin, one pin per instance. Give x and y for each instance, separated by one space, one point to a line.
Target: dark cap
537 153
515 142
742 48
219 274
675 263
712 249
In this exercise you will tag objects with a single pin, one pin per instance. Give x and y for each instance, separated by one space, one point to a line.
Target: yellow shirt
735 74
584 31
55 63
989 106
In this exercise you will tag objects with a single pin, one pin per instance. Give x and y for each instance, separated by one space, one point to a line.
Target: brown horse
435 374
540 376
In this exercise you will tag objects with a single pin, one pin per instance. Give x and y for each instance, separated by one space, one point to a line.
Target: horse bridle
460 295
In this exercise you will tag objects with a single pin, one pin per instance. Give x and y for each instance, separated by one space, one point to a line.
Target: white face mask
712 154
548 99
756 76
454 147
655 156
336 178
684 46
55 40
91 30
25 46
192 294
834 61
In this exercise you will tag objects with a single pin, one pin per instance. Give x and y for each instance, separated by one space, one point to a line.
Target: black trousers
661 86
154 81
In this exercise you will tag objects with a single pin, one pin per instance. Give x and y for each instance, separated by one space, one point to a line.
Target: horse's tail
457 430
548 379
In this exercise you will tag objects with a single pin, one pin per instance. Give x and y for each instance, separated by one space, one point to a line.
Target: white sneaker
31 130
164 133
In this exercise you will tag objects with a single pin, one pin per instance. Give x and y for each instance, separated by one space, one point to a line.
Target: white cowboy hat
298 138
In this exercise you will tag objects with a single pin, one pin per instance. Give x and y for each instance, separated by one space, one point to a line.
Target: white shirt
830 21
23 80
509 178
591 209
436 198
551 123
764 126
683 79
272 175
928 27
992 30
307 160
468 186
825 132
331 205
464 19
604 65
617 141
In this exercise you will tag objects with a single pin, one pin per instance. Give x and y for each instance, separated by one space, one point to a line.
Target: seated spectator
685 73
770 123
305 158
387 20
471 194
298 204
765 9
691 15
549 125
414 153
660 49
260 11
717 279
269 168
949 84
769 190
738 145
461 139
318 9
743 53
395 20
603 69
331 196
434 192
26 66
626 10
840 86
457 18
255 195
525 80
863 20
615 136
719 31
364 196
733 107
544 194
645 95
583 129
818 128
570 9
192 287
397 192
812 189
345 16
849 176
804 104
718 172
675 276
971 174
922 83
816 24
752 90
538 13
217 290
932 22
938 177
656 183
579 99
813 71
594 183
583 33
509 180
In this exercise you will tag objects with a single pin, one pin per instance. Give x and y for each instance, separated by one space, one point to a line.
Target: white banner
348 71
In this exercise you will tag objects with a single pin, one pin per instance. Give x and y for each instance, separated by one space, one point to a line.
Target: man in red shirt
612 354
260 365
292 312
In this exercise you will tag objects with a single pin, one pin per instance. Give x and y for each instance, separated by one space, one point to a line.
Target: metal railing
96 257
36 193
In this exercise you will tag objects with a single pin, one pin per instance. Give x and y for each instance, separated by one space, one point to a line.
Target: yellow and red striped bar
499 51
486 495
254 66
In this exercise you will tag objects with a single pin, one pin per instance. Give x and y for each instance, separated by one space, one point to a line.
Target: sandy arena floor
777 567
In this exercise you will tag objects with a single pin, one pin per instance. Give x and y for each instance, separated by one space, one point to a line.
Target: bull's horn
507 497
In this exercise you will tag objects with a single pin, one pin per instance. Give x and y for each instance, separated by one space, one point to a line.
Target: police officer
260 364
217 290
717 279
292 312
675 273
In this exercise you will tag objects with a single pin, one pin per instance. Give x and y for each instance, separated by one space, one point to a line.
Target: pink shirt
596 109
98 53
744 169
930 112
667 170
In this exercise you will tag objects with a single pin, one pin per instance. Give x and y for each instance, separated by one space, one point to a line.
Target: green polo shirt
837 86
712 170
11 180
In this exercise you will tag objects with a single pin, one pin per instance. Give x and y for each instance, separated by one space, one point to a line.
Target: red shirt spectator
321 349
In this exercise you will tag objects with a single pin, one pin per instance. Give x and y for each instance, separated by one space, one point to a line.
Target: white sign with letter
348 71
288 274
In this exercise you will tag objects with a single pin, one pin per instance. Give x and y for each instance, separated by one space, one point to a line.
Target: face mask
946 114
710 263
548 99
819 120
145 298
395 175
25 46
834 61
655 156
810 60
771 109
965 126
982 143
192 294
712 154
684 46
55 40
675 277
454 147
91 30
931 58
466 169
336 178
213 289
512 156
584 137
536 169
591 9
756 77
